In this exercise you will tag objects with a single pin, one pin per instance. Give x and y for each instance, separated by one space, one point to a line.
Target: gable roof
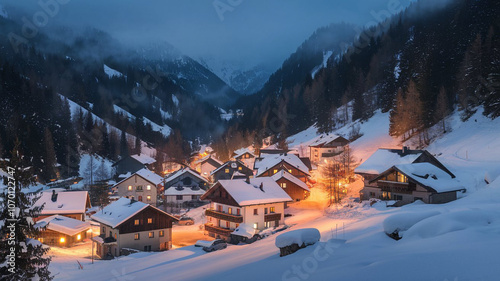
141 158
291 178
427 175
326 139
383 159
67 202
121 210
181 172
207 158
249 193
243 166
145 174
269 161
63 224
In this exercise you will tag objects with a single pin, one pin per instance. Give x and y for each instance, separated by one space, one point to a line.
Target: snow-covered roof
242 165
245 230
143 158
67 202
240 152
119 211
208 157
181 172
430 176
383 159
180 190
250 193
290 177
63 224
324 139
269 161
147 175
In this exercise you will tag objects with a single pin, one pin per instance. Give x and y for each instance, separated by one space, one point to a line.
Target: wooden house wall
296 192
160 221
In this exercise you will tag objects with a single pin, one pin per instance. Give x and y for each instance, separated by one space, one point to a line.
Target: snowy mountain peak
3 13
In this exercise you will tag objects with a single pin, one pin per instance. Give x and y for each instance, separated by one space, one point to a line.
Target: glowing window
129 187
151 235
136 222
136 236
150 220
227 171
162 233
62 240
148 187
275 171
272 209
148 197
255 225
283 185
78 237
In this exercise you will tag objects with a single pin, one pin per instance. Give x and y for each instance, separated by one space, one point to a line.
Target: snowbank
305 236
396 225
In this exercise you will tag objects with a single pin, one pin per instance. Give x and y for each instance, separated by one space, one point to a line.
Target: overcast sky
251 31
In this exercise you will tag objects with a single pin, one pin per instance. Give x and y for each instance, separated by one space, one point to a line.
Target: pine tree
442 108
30 261
124 151
49 157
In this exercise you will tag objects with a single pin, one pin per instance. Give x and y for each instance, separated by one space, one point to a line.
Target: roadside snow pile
450 222
396 225
305 236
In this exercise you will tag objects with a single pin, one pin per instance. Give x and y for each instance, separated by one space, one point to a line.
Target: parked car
186 221
215 245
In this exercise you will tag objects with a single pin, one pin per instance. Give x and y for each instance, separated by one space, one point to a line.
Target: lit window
275 171
255 225
230 210
239 168
148 187
116 236
290 171
150 220
272 209
129 187
78 237
62 240
162 233
151 235
40 239
148 197
136 222
283 185
227 171
136 236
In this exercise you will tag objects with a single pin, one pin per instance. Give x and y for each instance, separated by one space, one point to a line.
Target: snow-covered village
238 140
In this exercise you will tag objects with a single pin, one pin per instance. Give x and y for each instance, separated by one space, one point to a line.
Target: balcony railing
224 216
218 230
272 217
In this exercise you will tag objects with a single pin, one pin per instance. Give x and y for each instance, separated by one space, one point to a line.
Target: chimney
54 196
405 149
261 186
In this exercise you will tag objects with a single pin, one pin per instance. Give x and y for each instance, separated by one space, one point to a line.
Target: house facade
383 159
207 165
129 224
226 171
133 163
407 183
71 204
179 195
186 177
295 188
326 147
257 202
61 231
245 156
142 186
272 164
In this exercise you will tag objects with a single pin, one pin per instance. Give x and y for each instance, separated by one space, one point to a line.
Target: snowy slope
112 72
3 13
165 130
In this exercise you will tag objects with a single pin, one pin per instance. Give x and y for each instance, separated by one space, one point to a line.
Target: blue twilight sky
245 31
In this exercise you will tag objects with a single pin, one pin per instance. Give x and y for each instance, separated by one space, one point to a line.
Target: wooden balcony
218 230
272 217
224 216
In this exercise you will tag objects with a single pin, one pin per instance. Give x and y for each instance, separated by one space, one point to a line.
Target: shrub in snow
396 225
294 240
